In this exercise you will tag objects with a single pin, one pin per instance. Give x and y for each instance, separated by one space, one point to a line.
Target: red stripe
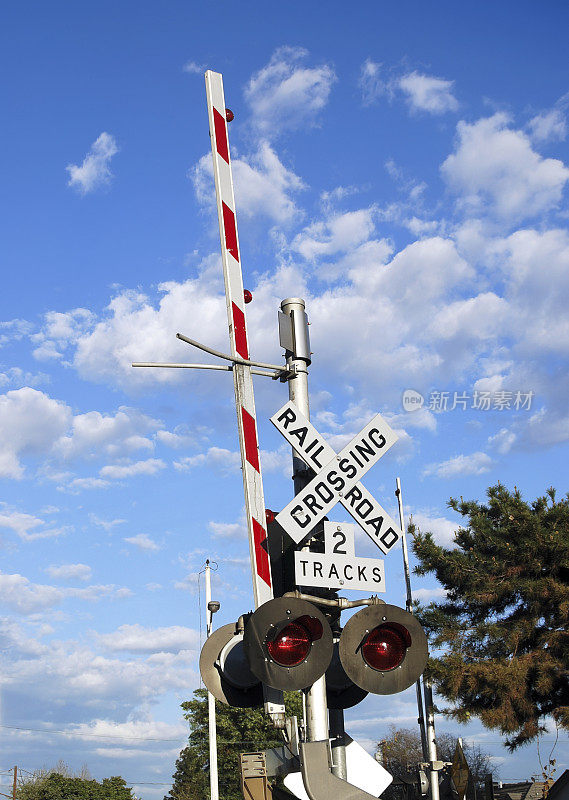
261 555
240 331
221 143
230 231
250 436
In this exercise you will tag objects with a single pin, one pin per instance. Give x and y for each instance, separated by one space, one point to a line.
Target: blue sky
400 166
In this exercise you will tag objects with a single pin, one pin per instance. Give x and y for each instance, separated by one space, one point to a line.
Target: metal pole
213 778
15 786
431 743
338 739
409 606
298 359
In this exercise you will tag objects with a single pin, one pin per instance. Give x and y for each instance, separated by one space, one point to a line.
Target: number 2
336 548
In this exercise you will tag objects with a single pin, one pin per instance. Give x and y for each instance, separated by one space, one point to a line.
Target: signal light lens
384 647
292 644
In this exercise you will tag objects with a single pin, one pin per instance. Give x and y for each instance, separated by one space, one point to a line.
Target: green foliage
59 784
504 626
239 730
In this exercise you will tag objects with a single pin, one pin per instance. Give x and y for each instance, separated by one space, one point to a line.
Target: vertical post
213 778
430 732
298 358
15 786
409 607
338 739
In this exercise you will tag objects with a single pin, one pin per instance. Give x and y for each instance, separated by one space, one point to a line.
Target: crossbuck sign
337 478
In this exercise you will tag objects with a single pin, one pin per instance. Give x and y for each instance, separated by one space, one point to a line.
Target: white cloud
218 458
228 530
339 233
138 639
78 484
59 330
496 165
24 597
443 529
194 68
427 93
285 94
95 170
429 595
69 572
548 126
143 541
107 525
422 92
473 464
371 83
118 472
263 185
30 422
94 434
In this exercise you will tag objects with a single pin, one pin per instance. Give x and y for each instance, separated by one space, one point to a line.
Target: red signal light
292 643
384 648
247 296
269 516
229 115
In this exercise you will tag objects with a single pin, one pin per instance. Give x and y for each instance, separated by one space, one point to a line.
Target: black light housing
383 649
288 643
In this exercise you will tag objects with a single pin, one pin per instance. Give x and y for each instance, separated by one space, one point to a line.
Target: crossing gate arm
242 377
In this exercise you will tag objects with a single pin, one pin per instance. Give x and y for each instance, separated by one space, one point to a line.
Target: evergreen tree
239 730
504 626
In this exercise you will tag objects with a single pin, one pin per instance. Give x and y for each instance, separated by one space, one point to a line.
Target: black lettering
356 459
365 449
304 563
294 514
312 503
379 444
376 524
348 469
353 495
364 504
320 488
342 536
317 453
376 575
389 538
346 568
309 447
362 573
287 416
300 434
317 566
335 480
333 572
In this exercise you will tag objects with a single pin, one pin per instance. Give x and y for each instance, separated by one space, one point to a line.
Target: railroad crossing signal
287 643
337 478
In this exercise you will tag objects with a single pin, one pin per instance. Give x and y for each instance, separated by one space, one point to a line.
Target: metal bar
338 741
236 360
239 346
213 776
431 742
220 367
316 718
409 606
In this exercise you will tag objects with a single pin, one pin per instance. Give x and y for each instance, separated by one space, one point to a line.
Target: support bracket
319 781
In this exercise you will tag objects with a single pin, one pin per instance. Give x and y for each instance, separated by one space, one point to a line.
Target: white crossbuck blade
337 478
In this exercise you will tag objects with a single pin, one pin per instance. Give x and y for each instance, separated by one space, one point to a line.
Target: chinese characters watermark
478 400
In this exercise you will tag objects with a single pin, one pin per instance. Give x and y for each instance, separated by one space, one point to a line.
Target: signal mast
294 639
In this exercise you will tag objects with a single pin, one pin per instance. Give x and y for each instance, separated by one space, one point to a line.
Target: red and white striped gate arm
242 379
